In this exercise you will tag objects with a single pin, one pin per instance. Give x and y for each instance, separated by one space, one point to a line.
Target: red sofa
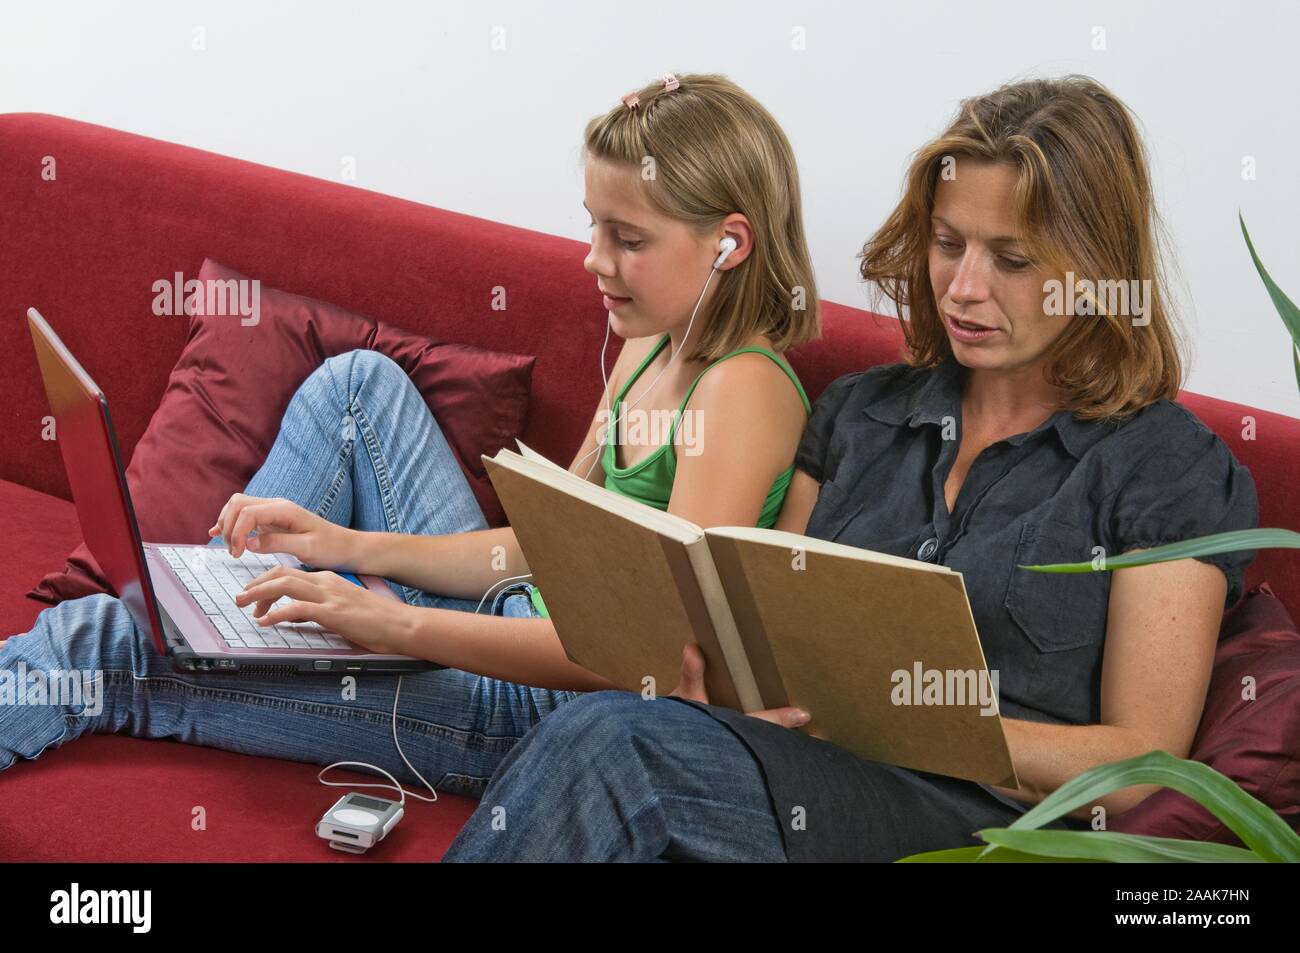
124 210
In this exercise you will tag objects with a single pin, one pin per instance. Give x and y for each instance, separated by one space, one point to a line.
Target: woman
1015 434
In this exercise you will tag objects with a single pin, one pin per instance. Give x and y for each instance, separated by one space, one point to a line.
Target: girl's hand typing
326 598
283 526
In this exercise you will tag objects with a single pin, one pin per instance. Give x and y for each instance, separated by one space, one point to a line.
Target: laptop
182 595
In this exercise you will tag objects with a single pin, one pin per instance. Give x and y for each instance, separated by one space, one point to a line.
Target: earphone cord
601 442
395 786
402 792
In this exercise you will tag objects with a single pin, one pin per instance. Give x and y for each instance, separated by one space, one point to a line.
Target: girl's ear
736 226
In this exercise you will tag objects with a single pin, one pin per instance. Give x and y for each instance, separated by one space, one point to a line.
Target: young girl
698 249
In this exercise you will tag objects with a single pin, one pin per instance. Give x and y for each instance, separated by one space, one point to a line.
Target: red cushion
1252 741
225 397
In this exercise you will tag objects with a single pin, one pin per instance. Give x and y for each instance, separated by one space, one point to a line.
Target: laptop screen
84 433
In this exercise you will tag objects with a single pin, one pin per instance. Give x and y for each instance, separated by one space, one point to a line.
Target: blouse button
928 548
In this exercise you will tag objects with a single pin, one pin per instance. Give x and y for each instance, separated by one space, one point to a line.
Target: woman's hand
359 615
283 526
692 687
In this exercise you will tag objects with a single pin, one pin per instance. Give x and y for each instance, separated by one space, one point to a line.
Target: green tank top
651 480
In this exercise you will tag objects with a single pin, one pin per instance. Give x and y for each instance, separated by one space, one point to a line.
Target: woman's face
980 275
651 267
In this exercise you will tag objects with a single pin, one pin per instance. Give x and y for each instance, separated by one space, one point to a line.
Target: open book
881 650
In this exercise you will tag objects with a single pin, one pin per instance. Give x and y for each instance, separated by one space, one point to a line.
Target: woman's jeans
618 777
358 446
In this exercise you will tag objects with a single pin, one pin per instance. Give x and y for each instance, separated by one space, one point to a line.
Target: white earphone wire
727 246
402 792
395 786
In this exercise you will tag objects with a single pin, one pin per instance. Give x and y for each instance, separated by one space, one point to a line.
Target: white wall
431 112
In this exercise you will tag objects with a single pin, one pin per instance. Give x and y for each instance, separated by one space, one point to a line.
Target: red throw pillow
230 387
1252 741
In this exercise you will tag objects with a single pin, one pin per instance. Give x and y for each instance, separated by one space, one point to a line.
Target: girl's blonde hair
1083 205
704 151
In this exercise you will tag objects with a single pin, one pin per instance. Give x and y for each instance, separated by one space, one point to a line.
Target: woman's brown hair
1083 206
717 151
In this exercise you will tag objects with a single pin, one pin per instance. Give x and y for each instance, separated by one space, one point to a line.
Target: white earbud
725 247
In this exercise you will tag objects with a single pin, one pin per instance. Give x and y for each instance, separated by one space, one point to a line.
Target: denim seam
768 817
651 801
380 465
464 738
331 494
382 475
659 800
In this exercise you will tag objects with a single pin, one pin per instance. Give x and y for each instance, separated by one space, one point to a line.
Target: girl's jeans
359 446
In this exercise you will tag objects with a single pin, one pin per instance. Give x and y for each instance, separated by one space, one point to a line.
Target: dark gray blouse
881 442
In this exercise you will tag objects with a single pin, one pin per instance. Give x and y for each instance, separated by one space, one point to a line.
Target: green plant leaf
983 855
1260 828
1115 847
954 855
1234 541
1285 306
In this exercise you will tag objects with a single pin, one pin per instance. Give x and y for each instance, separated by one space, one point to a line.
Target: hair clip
671 82
631 100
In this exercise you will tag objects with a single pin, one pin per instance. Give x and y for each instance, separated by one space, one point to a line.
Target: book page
528 453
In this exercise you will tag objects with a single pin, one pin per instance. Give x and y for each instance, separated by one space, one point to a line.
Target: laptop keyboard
214 577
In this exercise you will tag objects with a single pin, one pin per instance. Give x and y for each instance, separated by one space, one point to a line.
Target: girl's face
980 275
649 267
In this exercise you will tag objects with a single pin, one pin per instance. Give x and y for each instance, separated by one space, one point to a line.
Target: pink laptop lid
85 437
